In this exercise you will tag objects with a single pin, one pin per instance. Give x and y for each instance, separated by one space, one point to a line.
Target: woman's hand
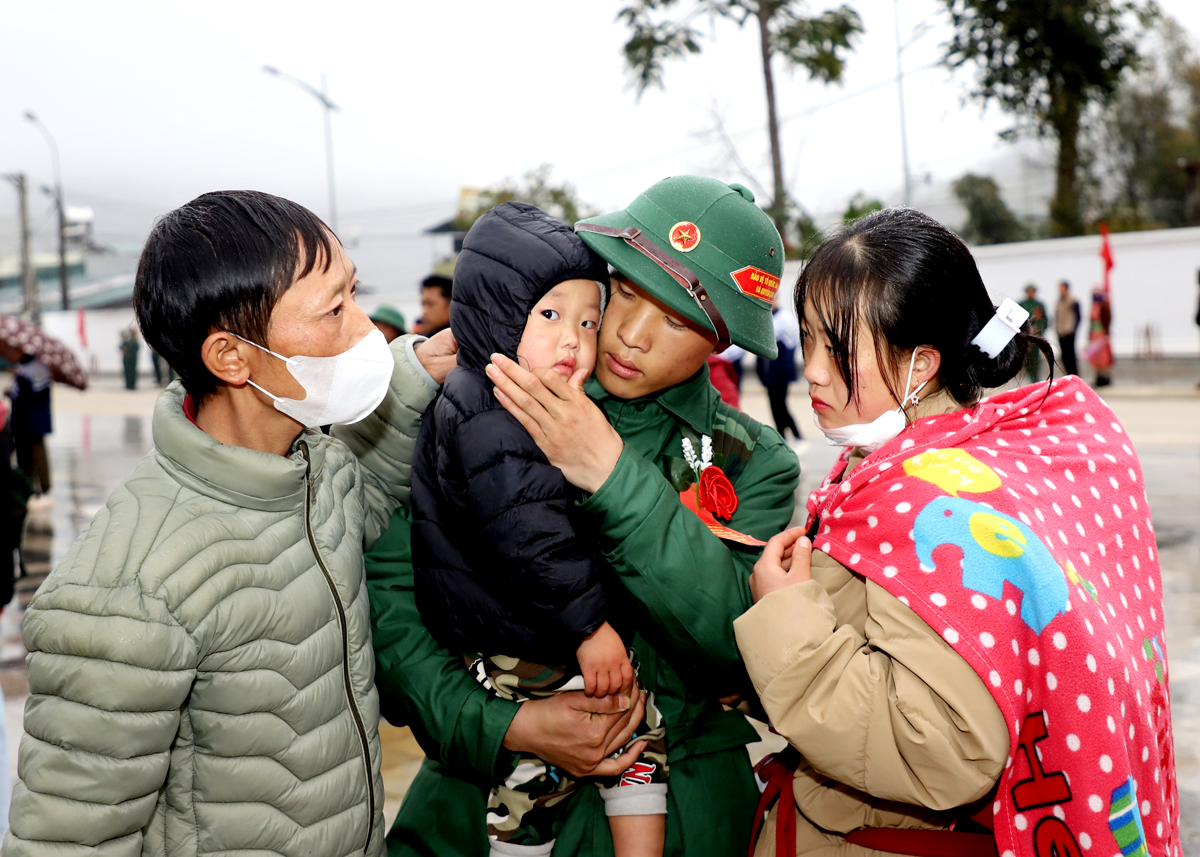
565 424
785 561
578 733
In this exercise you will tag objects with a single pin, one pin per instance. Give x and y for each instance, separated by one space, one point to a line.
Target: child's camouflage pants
527 809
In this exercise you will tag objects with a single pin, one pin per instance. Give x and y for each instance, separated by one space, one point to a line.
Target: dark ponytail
911 282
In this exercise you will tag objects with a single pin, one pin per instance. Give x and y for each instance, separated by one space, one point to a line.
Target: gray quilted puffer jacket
201 673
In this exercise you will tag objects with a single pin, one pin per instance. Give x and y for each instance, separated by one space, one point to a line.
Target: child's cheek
587 354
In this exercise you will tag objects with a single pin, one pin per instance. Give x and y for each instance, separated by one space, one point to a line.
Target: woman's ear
226 357
926 365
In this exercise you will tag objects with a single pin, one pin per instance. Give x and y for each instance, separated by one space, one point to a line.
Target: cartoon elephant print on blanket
995 548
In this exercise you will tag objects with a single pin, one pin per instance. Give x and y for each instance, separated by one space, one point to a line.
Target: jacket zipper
341 616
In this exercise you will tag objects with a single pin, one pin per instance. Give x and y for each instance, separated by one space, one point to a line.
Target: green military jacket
687 587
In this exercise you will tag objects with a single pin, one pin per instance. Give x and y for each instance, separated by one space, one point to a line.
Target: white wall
1153 282
103 328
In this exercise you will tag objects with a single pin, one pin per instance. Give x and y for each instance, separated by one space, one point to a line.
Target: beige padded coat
895 728
201 672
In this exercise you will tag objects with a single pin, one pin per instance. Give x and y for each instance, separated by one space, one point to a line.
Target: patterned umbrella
29 338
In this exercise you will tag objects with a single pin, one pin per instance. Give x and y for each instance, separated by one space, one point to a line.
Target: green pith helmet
716 232
389 315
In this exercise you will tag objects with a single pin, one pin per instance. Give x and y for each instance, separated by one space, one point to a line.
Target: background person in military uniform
129 356
389 320
1038 321
164 373
620 439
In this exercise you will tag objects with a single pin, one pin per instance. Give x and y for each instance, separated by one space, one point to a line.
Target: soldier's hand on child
604 662
579 734
567 426
785 561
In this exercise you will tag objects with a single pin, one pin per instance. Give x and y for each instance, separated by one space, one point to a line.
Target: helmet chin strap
680 272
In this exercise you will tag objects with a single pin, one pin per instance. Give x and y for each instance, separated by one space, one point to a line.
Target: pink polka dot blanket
1019 530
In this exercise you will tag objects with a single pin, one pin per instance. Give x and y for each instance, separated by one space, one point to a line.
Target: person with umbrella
19 337
38 360
30 394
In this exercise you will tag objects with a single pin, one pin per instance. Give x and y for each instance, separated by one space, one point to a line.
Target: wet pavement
100 435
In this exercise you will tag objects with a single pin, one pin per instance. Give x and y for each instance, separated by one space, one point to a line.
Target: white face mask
870 436
339 390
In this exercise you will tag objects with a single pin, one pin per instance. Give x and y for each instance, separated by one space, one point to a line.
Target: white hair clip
1002 327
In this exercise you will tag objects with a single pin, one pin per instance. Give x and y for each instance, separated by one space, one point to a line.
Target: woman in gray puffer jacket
200 668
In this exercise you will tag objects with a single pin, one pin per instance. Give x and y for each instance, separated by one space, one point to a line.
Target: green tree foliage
860 205
1150 137
1045 61
808 235
535 188
989 219
818 44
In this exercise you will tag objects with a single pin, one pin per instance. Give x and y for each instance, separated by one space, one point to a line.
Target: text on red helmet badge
684 236
756 282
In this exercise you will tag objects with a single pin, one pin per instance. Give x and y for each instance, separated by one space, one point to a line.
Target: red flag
1105 254
82 328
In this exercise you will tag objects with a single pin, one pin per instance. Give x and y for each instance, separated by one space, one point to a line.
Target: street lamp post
327 108
62 216
903 127
33 309
900 48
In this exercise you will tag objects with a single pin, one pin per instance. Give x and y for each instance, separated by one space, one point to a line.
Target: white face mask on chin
339 390
870 436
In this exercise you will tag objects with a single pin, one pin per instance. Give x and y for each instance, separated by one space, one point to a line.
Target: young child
501 574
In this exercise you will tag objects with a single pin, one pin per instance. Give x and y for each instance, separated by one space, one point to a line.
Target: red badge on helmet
685 236
756 282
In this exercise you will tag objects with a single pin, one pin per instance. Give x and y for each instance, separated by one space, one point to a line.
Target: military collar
693 401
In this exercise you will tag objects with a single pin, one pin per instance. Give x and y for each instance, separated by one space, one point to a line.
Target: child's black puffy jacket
499 568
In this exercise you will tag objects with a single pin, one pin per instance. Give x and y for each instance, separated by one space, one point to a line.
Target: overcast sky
153 103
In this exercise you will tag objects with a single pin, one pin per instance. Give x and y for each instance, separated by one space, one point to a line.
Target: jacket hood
510 258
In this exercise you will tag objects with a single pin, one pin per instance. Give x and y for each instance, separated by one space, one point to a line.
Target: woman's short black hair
221 262
910 281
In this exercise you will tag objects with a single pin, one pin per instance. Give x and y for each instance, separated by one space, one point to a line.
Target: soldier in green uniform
696 267
129 355
1038 321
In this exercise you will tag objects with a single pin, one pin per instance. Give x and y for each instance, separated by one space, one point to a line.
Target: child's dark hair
911 282
221 262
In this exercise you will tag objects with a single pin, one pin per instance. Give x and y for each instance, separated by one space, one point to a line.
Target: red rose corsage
717 494
712 495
